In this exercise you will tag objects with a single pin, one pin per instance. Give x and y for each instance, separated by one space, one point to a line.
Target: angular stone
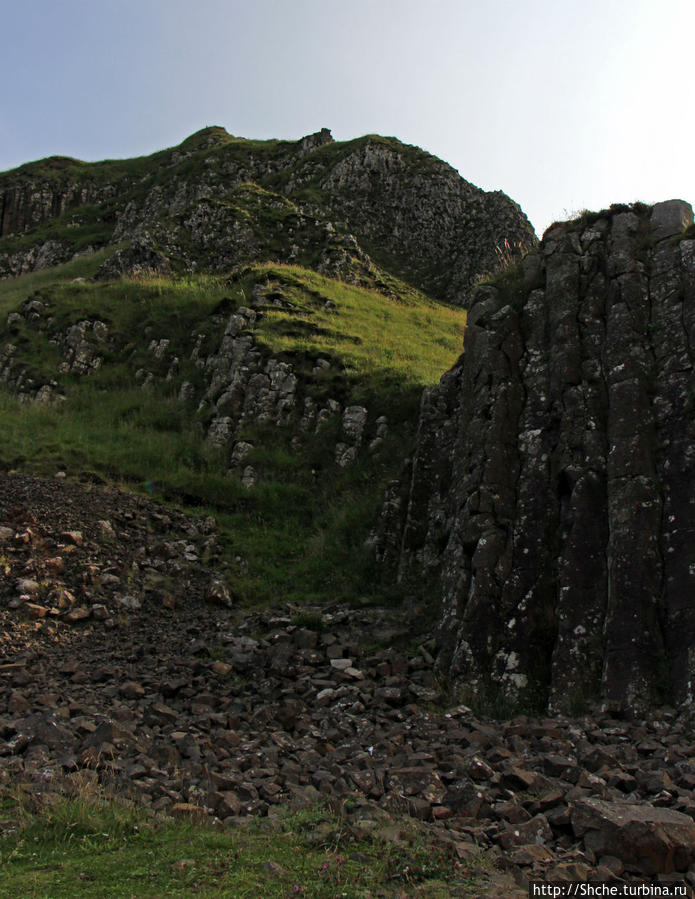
28 586
186 744
131 690
464 797
393 696
341 664
354 420
108 732
566 872
221 669
671 217
417 782
17 703
345 455
530 855
249 477
218 593
305 638
34 610
75 616
536 831
649 839
516 778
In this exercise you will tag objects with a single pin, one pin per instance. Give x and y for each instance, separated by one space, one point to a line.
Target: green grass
14 290
86 847
410 337
301 530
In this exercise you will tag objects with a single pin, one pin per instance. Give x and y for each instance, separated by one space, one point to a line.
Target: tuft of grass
311 620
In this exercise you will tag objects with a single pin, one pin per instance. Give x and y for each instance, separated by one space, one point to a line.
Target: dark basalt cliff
552 486
351 209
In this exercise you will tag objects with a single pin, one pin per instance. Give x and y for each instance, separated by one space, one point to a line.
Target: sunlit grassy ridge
300 531
406 334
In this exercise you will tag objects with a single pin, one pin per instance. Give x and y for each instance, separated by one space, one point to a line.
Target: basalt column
553 486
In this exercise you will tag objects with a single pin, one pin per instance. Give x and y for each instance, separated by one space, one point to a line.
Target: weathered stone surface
354 420
551 487
671 217
371 197
653 840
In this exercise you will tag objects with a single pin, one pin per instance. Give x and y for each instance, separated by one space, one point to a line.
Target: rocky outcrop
32 197
552 484
217 201
228 377
415 214
80 347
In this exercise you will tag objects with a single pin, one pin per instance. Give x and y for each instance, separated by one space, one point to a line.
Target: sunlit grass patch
409 335
14 290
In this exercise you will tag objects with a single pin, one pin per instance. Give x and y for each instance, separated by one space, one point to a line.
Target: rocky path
123 660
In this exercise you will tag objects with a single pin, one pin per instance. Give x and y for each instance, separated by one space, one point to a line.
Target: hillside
233 325
350 209
215 364
277 399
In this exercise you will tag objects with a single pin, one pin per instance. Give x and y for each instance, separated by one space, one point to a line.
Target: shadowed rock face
552 487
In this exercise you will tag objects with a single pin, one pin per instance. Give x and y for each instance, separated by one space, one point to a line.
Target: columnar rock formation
552 487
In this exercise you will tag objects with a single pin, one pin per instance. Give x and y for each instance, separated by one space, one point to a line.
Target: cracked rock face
552 486
347 209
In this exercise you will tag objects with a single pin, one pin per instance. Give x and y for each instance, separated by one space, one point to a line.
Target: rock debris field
125 661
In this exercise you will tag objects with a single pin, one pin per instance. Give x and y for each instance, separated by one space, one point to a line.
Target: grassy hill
299 531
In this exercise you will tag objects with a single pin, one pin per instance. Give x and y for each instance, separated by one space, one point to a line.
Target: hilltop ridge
349 208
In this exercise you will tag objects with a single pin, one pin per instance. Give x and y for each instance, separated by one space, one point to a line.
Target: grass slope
300 532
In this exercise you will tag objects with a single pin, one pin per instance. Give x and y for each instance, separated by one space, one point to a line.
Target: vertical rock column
562 490
672 327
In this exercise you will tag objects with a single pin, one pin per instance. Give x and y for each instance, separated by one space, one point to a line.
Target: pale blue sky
564 105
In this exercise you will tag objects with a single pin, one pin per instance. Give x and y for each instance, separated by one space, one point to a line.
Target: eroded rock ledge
551 488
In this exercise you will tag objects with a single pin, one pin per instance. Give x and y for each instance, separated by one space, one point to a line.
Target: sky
563 105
